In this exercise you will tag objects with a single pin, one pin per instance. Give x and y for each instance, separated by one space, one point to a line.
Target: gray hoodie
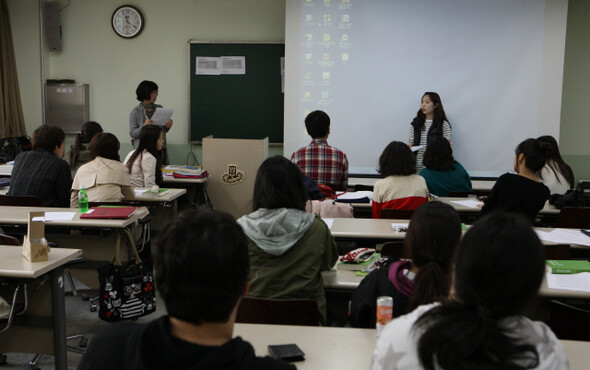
276 230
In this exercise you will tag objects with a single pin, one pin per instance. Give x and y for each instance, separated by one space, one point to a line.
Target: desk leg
59 317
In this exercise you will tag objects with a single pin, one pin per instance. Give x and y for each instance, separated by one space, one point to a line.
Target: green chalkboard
243 106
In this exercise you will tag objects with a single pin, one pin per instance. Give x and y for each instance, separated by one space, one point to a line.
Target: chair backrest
574 217
569 322
558 251
8 240
20 200
361 187
278 311
400 214
393 249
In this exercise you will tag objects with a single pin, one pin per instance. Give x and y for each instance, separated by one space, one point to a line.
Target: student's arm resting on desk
128 192
344 178
148 166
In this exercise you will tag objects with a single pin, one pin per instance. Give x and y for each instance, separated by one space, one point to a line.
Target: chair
20 200
278 311
400 214
558 251
393 249
574 217
361 187
8 240
569 322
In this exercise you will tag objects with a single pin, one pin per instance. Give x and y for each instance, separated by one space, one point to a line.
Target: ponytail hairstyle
498 269
534 154
432 237
87 132
439 112
554 160
148 140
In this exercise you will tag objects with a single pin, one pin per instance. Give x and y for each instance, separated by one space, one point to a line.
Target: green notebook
567 266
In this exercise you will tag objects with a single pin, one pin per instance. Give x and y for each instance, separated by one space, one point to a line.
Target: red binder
109 212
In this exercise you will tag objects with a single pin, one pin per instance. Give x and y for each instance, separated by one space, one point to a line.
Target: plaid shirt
325 164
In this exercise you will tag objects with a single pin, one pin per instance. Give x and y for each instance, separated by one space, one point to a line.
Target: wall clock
127 21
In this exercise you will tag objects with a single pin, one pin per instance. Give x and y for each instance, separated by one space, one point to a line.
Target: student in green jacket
288 247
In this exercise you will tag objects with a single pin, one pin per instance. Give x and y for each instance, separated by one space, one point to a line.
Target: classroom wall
113 67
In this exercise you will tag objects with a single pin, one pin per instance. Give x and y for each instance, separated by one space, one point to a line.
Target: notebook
109 212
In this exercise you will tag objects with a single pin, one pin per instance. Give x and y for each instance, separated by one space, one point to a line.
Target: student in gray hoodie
288 247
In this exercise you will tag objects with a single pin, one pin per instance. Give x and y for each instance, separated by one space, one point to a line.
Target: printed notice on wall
229 65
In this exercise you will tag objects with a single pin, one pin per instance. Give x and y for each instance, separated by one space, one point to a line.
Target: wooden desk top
547 209
10 215
366 228
349 348
476 185
167 196
14 264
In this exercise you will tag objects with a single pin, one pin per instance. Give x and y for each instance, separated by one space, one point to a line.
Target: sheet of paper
468 203
329 222
579 282
208 66
565 236
56 216
161 116
357 195
233 65
415 148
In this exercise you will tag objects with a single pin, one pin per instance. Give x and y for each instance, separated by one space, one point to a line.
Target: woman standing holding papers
430 122
147 93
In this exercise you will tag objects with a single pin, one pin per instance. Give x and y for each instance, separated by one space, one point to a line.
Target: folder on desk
109 212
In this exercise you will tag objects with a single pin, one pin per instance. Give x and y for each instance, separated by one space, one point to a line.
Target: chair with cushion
254 310
558 251
393 249
400 214
574 217
569 322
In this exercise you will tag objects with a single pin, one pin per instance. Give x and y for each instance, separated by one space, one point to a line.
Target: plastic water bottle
83 200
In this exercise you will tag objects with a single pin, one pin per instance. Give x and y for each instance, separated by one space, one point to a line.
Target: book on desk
567 266
109 212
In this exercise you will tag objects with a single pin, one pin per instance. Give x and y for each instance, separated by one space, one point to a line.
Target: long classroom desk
478 186
96 237
196 185
41 328
349 348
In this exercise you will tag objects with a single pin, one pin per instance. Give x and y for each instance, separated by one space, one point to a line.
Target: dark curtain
12 122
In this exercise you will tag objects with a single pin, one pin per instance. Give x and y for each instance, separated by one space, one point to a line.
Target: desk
366 229
478 186
349 348
169 196
41 329
198 185
97 248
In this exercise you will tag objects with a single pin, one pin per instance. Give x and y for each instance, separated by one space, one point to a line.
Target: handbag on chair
127 290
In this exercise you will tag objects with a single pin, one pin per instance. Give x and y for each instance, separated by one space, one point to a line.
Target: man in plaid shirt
325 164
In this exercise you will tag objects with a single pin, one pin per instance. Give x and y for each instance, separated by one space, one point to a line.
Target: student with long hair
443 174
431 240
147 94
401 188
430 122
145 162
498 269
556 174
80 152
105 178
288 247
523 192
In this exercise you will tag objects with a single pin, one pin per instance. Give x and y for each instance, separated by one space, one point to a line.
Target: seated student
498 269
201 269
432 236
443 174
105 178
325 164
80 152
523 192
402 188
288 247
145 162
556 174
42 172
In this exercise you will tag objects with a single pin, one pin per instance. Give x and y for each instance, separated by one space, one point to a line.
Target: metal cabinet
66 106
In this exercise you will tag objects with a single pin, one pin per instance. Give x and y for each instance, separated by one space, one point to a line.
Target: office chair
569 322
574 217
20 200
393 249
400 214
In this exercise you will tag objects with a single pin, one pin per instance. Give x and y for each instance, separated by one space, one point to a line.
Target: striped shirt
325 164
447 134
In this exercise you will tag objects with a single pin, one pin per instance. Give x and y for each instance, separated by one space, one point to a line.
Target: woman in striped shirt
430 122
